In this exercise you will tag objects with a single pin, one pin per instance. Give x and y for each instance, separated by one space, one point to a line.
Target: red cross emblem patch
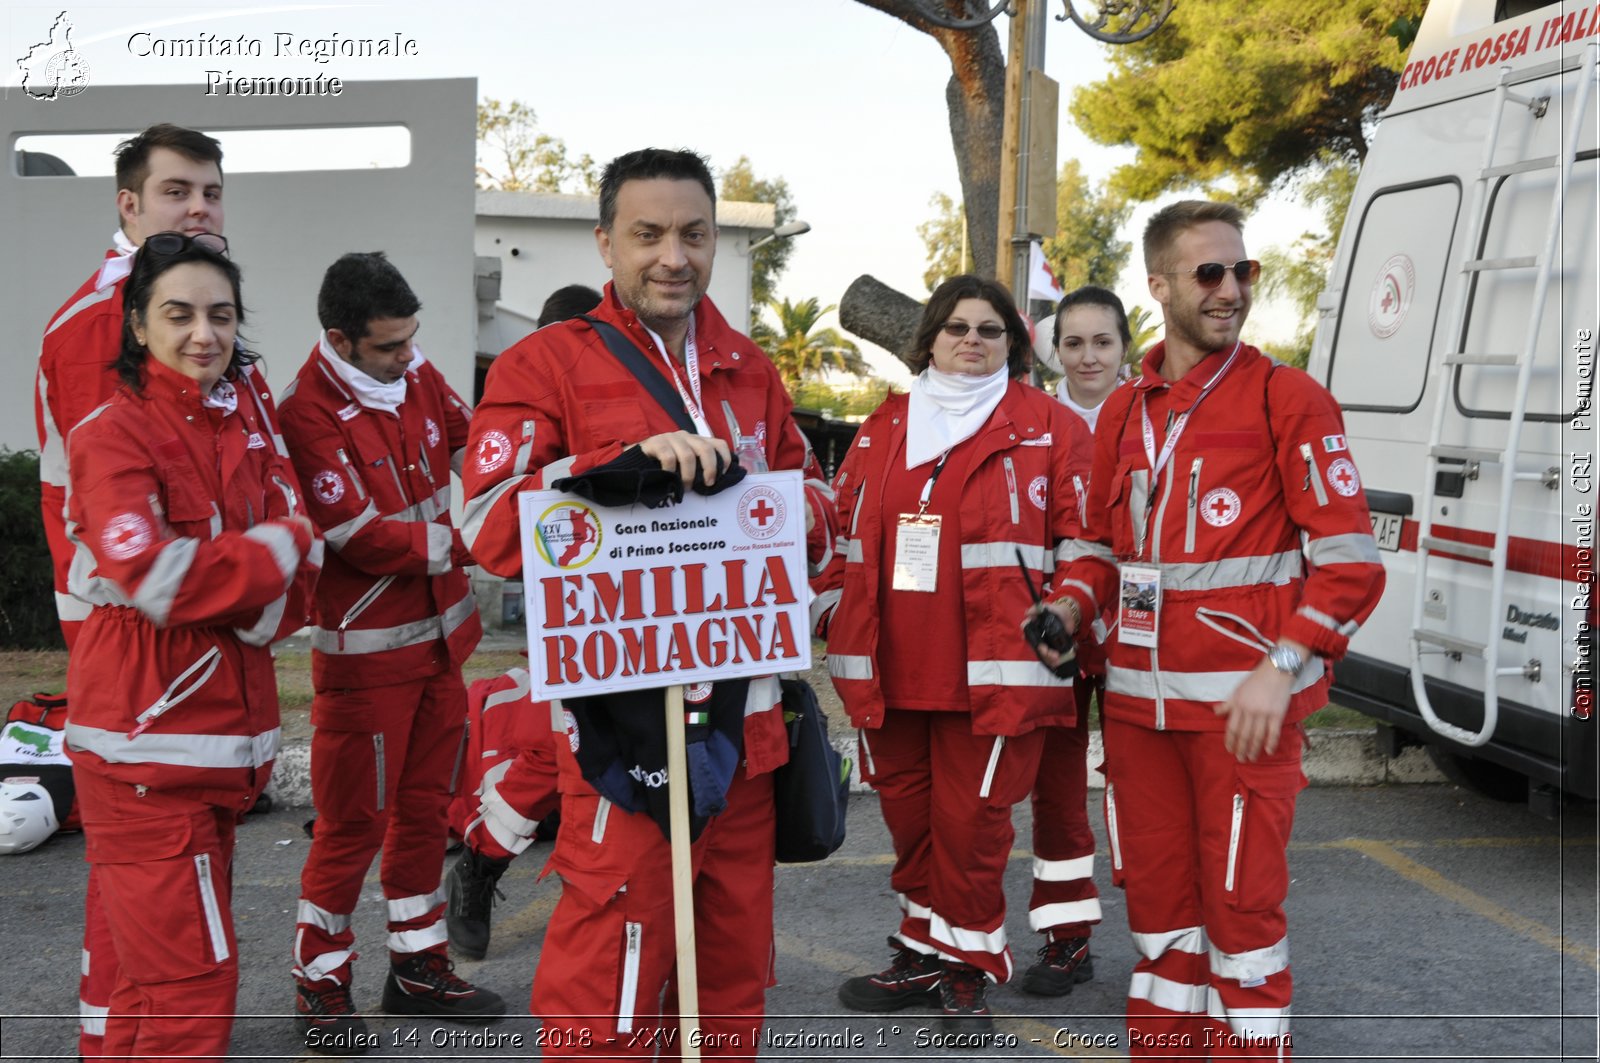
494 450
328 486
1220 507
126 535
1343 478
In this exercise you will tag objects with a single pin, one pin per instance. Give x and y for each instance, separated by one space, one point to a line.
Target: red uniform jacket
558 403
179 517
393 603
1022 490
1258 526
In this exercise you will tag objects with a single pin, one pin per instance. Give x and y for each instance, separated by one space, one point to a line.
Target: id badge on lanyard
916 542
1139 612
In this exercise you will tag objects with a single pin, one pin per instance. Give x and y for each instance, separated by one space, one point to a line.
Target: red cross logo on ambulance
126 535
761 512
1220 507
1342 477
328 486
433 432
494 450
1036 492
1391 296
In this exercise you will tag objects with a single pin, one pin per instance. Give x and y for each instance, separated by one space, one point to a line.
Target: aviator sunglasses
957 330
170 243
1208 275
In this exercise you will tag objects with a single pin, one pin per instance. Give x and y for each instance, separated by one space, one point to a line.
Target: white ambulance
1458 333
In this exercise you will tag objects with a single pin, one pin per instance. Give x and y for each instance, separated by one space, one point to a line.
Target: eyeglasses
171 243
1208 275
957 330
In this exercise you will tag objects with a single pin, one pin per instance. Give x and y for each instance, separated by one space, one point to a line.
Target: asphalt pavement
1426 923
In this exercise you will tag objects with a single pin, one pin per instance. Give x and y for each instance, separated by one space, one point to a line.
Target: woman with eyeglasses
944 491
195 553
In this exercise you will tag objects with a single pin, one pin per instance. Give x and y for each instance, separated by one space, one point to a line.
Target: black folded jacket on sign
620 741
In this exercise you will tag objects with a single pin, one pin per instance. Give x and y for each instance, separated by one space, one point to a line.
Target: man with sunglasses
374 431
1226 517
169 179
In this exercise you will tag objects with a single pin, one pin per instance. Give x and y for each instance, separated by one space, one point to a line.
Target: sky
843 102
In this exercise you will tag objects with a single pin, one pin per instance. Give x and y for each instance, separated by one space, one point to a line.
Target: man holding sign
560 403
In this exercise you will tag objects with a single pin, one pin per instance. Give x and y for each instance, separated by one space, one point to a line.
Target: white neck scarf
368 391
117 268
1090 414
223 397
949 408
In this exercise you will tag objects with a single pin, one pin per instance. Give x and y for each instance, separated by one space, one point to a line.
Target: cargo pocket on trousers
1256 875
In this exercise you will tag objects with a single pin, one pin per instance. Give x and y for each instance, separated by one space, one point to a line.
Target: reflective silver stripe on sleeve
1079 585
280 540
99 295
1011 674
439 542
1074 549
1232 572
340 534
476 510
1317 616
849 666
1002 555
70 608
1255 965
53 452
556 470
428 509
1352 549
519 692
853 554
314 555
1195 686
312 915
823 604
260 633
190 751
159 587
508 827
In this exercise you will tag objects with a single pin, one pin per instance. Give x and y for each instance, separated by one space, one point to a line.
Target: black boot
471 884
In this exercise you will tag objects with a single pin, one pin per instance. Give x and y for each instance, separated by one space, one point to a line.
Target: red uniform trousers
1065 903
946 796
1198 842
163 866
605 986
382 760
508 779
98 973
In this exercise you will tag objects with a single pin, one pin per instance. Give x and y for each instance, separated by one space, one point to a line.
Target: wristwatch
1286 660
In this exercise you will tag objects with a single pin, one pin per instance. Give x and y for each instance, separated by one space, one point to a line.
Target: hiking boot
962 996
1062 964
326 1017
912 980
427 984
473 886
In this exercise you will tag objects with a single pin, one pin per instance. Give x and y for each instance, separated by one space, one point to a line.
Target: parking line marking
1429 879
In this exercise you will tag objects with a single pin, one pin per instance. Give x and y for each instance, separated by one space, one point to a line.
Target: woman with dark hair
195 553
1090 339
943 492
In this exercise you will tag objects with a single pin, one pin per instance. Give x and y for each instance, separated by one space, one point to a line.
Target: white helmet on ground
27 816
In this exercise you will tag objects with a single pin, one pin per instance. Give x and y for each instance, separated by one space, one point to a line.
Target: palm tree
799 349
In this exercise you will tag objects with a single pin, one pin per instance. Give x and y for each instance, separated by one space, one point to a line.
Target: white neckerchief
223 397
117 268
1090 414
691 369
949 408
369 392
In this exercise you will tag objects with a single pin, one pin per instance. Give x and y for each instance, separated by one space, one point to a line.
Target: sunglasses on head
957 330
171 243
1209 274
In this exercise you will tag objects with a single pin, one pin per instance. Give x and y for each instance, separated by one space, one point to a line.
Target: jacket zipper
633 934
1083 501
350 471
1194 504
288 493
1011 488
1313 477
361 605
1155 559
855 514
994 762
173 696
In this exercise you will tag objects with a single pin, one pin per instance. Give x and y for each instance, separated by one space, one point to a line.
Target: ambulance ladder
1428 640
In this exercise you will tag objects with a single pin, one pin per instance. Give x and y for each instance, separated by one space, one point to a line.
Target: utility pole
1027 148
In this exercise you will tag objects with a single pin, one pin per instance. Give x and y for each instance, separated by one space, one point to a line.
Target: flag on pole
1042 283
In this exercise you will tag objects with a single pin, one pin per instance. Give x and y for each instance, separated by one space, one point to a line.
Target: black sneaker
1062 964
473 886
962 996
326 1017
427 984
912 980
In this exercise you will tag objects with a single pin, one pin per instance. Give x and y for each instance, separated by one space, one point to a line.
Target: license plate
1386 529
